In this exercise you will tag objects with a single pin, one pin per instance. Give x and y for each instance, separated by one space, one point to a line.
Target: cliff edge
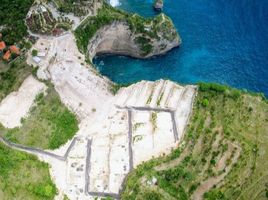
113 31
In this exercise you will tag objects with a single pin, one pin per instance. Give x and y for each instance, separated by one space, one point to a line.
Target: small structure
36 59
41 54
14 49
2 45
11 50
57 31
153 181
7 55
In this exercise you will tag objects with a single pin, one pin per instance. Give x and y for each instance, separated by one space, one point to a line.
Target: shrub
205 102
34 52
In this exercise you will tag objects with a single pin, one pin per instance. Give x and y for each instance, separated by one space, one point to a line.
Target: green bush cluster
34 52
12 17
77 7
12 75
23 176
116 87
145 45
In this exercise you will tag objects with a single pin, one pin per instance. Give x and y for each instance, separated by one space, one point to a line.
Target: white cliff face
116 133
117 38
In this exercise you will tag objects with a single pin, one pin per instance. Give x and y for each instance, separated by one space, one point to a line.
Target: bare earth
116 133
17 104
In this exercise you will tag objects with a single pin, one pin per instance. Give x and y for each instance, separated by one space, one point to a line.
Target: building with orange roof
7 55
14 49
2 45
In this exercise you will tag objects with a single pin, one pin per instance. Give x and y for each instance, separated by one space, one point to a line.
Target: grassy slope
236 119
49 125
22 176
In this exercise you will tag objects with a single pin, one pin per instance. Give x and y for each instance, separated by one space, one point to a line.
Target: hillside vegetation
77 7
49 123
12 17
23 176
223 155
12 75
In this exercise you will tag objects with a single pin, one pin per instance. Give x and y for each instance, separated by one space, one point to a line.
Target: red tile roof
14 49
7 55
2 45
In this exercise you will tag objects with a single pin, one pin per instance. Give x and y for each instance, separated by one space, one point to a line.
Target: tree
34 52
205 102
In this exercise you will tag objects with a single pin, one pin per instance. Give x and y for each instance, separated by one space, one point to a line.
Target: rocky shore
158 5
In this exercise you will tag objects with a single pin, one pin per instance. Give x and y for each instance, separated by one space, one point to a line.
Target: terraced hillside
223 155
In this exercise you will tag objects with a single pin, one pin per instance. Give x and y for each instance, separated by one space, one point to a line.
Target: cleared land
49 124
17 104
23 176
223 155
113 128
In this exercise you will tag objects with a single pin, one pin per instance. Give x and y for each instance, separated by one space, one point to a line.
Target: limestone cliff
117 38
115 32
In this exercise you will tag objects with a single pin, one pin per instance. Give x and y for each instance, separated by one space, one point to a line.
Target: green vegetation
225 140
149 98
153 120
137 125
77 7
23 176
49 125
12 75
45 23
160 99
106 15
144 30
34 52
12 17
145 45
65 197
116 87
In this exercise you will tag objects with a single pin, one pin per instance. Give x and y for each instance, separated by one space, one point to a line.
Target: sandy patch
17 104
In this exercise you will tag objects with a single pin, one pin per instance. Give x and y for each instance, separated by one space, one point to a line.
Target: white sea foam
114 3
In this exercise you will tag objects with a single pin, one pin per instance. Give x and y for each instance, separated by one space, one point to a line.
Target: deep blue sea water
224 41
